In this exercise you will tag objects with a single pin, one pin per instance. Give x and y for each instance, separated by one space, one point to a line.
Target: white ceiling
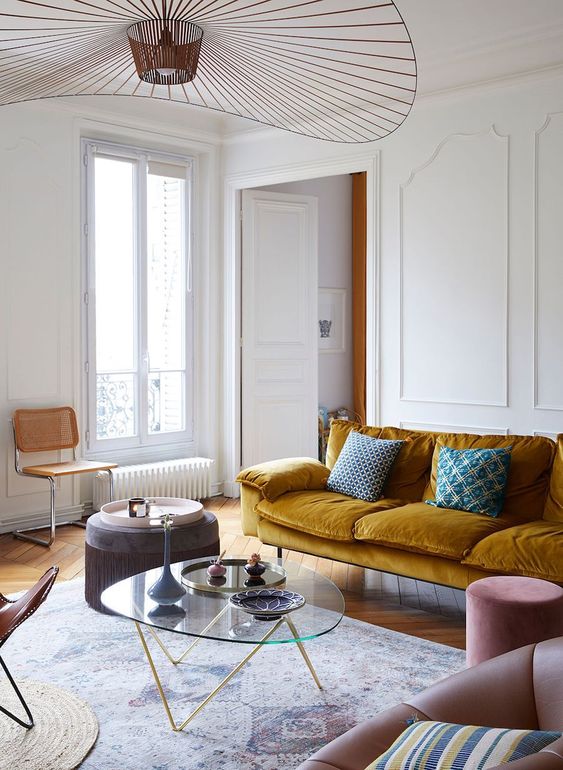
462 42
457 42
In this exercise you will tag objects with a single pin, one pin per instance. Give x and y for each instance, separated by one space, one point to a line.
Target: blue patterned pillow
363 466
472 480
443 746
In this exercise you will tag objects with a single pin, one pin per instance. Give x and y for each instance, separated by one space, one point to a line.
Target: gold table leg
180 726
301 648
167 652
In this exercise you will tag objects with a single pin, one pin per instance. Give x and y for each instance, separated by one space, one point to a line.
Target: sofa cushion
554 503
339 432
411 470
325 514
530 466
445 746
425 529
534 549
472 480
363 466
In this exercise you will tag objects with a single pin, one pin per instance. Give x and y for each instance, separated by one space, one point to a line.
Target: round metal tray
181 512
236 579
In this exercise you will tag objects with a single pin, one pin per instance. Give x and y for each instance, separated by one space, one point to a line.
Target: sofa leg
280 553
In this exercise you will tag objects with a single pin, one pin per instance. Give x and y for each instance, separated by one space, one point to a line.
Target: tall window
139 299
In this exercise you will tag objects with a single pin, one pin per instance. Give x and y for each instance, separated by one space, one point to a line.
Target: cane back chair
12 615
48 430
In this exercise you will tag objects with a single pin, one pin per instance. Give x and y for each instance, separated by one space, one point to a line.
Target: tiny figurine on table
216 567
254 566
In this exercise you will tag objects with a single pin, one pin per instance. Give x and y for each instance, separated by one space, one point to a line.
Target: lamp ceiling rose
165 51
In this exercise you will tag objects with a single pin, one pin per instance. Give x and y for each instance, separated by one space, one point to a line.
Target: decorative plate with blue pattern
267 602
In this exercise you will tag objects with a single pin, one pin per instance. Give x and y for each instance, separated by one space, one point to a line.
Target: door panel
279 317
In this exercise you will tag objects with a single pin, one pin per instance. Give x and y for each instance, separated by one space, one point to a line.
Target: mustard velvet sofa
285 503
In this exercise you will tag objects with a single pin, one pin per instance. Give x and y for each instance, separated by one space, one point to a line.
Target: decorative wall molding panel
443 428
454 235
548 264
34 308
547 433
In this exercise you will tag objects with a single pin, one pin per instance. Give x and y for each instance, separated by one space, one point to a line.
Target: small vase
255 570
166 590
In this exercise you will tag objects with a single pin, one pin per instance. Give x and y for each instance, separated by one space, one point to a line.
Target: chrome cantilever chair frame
20 534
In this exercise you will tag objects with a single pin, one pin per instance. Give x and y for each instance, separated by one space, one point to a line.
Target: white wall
41 347
334 194
464 339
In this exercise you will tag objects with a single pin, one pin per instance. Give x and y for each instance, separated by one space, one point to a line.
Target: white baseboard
40 518
217 488
231 489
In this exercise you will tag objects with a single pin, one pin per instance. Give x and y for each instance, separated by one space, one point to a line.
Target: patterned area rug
269 717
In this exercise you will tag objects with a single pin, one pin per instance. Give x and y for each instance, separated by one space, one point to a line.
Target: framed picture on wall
331 332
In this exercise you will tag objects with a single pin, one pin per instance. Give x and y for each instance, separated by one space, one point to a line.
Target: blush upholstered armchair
522 689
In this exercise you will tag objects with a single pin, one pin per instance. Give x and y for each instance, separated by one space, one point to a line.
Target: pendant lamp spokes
336 70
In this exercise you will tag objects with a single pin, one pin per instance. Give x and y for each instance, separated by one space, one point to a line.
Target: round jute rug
65 729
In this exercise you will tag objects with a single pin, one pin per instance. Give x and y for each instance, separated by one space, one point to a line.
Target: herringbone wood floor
420 609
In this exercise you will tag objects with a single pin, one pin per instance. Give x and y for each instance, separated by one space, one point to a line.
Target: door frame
232 276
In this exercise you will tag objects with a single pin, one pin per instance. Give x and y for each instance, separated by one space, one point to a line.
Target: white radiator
188 477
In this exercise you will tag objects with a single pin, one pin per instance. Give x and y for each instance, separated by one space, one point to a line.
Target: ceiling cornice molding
205 139
491 84
531 37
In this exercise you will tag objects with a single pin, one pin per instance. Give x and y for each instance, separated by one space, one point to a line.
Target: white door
279 326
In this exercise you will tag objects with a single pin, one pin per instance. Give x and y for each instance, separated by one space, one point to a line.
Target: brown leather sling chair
13 614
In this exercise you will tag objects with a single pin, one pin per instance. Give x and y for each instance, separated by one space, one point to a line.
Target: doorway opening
333 359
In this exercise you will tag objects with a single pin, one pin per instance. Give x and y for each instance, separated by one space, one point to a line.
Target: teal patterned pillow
363 466
443 746
472 480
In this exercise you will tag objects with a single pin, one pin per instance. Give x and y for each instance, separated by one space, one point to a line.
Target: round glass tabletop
209 615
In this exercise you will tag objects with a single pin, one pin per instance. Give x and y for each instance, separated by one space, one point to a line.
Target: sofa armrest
277 477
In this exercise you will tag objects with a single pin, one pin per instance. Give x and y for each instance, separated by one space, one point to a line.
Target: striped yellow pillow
443 746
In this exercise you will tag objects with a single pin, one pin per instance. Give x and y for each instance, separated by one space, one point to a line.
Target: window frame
133 446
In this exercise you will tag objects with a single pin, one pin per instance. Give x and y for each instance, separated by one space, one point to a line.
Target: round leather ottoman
115 553
504 613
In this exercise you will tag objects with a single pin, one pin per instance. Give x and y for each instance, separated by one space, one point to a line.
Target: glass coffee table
207 614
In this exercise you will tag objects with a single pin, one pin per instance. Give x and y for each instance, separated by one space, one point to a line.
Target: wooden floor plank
411 607
427 597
